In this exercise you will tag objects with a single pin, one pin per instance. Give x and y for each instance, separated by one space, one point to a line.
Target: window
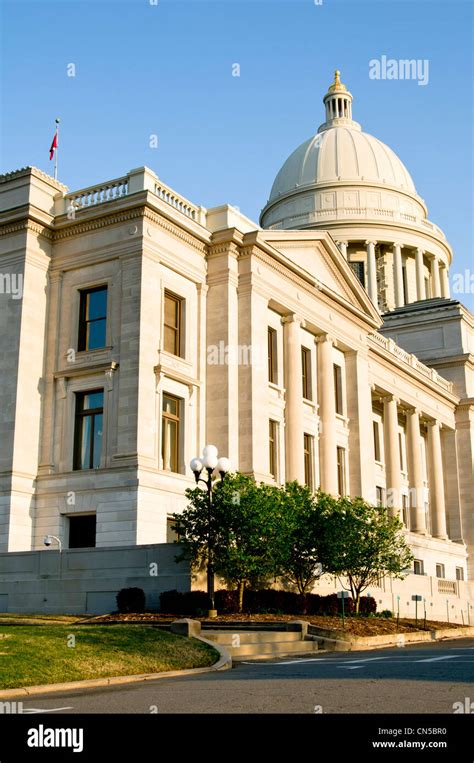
170 426
173 325
273 448
306 373
308 461
338 389
418 567
427 288
380 495
440 573
402 452
358 268
377 450
92 319
405 284
459 573
82 530
88 429
272 356
341 471
405 511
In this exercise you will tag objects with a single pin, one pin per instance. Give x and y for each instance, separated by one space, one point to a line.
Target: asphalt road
428 678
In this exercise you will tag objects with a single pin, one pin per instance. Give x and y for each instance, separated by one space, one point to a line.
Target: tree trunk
241 595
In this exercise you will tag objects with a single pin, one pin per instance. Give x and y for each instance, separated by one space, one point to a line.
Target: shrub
385 613
263 601
131 600
368 605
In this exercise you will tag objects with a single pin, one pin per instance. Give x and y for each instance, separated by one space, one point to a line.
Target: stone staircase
262 644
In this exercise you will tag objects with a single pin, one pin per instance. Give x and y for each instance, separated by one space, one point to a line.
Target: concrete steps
262 644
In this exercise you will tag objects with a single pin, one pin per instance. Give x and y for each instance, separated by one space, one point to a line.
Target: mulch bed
358 626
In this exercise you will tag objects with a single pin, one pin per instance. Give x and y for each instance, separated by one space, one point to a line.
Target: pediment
322 260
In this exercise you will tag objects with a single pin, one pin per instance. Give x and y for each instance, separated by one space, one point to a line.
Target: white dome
341 154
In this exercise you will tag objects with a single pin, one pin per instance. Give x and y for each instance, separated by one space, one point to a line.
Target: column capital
325 337
412 410
420 250
434 423
389 397
293 318
397 243
371 241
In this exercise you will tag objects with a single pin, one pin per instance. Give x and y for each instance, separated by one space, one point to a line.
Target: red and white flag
54 146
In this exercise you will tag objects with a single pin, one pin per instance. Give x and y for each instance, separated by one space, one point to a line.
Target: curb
223 663
356 643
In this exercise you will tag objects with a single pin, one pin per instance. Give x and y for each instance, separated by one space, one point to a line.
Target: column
420 274
327 416
444 281
398 275
343 248
392 454
435 290
415 472
359 413
372 272
294 399
437 503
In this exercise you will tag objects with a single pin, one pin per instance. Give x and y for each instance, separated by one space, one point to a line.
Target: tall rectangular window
380 495
308 460
170 432
358 268
88 429
173 325
405 284
338 397
405 511
306 373
272 356
273 448
459 573
377 449
341 471
92 319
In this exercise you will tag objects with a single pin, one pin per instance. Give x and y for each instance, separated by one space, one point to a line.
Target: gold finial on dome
337 84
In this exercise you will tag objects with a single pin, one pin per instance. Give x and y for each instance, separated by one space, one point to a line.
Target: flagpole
56 152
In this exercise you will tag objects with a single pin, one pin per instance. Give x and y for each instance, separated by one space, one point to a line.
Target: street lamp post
213 466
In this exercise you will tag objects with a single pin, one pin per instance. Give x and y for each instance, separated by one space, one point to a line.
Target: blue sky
166 69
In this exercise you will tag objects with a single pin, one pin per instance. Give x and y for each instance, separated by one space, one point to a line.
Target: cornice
27 225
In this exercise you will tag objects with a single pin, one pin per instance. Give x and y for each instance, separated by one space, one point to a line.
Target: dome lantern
338 102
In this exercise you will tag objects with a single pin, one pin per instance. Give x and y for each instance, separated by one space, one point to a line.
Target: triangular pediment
316 253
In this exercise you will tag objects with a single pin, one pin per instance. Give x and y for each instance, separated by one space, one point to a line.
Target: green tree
299 535
243 522
362 543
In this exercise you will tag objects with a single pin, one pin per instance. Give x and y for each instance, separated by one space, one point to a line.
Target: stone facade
370 418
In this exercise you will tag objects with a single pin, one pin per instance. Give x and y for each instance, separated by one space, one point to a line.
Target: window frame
308 456
84 322
338 390
178 329
272 352
306 378
174 419
79 416
273 429
341 470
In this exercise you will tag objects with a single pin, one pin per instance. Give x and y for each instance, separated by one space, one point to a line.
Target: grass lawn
31 655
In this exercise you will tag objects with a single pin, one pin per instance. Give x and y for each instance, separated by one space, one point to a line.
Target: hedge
265 601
